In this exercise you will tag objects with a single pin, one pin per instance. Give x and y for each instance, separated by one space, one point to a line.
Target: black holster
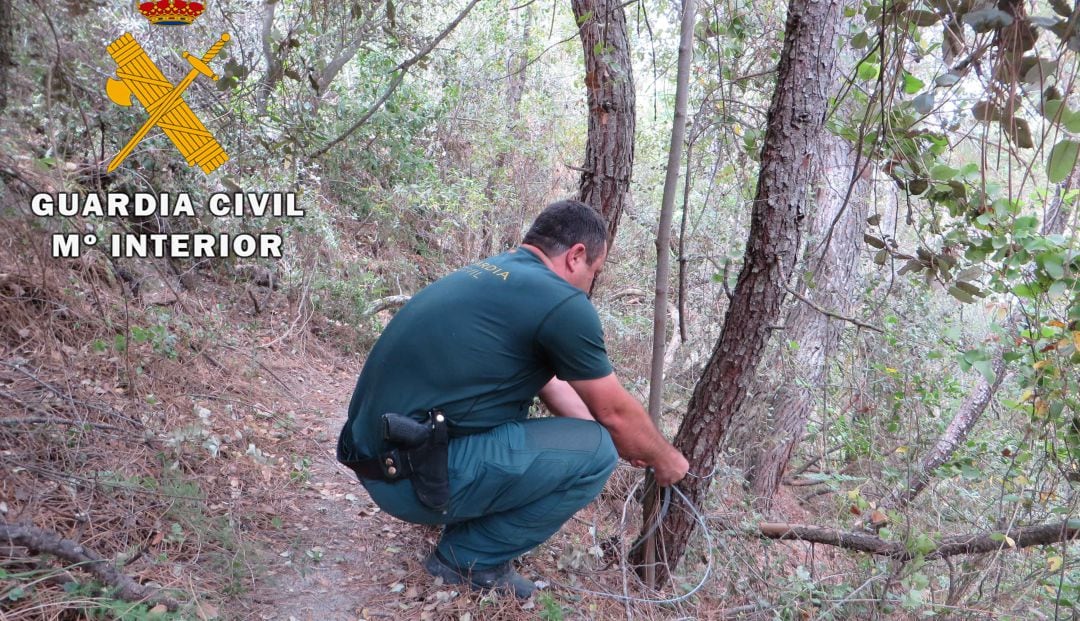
419 451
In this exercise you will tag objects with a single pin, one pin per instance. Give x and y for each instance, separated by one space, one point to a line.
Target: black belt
389 469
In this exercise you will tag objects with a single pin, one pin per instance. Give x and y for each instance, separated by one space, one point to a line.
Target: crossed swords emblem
137 75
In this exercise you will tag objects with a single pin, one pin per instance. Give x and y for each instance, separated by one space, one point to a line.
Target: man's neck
540 253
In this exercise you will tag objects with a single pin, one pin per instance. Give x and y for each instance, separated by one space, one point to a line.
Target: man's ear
577 256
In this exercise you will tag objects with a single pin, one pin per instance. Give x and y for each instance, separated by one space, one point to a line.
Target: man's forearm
561 399
634 434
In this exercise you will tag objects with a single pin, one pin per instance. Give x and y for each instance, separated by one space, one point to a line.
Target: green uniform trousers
511 488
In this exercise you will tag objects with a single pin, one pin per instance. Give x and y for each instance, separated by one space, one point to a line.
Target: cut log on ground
978 543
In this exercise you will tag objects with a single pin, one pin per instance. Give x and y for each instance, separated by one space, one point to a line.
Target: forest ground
340 557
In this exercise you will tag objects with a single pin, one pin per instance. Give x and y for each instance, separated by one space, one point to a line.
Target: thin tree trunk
971 410
647 559
954 435
816 336
683 260
274 67
6 49
609 83
795 120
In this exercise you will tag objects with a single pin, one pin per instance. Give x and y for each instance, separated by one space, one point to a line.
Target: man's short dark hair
565 223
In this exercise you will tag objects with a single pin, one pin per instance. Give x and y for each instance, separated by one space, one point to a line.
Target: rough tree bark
6 49
795 120
834 269
609 82
971 410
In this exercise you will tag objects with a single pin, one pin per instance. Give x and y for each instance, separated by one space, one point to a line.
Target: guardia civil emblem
137 75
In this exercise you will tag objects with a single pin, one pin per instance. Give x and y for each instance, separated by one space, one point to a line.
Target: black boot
501 577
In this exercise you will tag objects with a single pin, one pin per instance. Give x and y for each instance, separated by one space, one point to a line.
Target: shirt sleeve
572 340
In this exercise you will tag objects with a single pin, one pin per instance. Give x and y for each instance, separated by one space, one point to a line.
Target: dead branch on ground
39 540
980 543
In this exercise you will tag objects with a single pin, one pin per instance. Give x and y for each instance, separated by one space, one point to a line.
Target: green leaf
1019 132
924 104
1071 121
1051 107
985 20
1062 160
873 241
584 17
860 40
970 288
1054 265
868 71
912 84
943 172
1036 70
961 295
947 80
986 368
985 111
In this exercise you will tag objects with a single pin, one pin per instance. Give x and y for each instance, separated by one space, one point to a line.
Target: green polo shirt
479 344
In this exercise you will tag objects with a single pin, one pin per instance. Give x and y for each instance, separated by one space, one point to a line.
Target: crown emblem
171 12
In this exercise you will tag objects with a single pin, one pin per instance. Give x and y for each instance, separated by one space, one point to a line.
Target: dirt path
342 558
336 556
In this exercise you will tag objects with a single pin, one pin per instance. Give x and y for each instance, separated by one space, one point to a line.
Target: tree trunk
954 435
6 49
647 559
795 120
274 68
971 410
834 270
609 82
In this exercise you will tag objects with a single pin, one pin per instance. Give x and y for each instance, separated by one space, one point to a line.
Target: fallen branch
56 421
1021 536
38 540
392 301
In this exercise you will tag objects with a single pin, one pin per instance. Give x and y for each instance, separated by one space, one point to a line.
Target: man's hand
671 470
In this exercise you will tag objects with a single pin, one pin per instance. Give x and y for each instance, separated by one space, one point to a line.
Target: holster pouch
422 449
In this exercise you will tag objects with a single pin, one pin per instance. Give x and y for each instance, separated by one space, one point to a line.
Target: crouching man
438 430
